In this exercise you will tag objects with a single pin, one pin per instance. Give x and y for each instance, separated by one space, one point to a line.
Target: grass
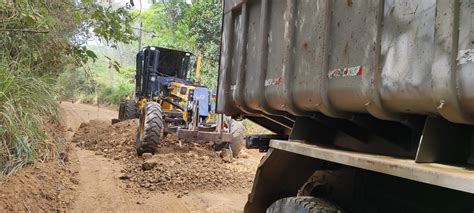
27 105
252 128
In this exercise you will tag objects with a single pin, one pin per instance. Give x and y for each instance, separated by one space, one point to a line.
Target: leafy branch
24 30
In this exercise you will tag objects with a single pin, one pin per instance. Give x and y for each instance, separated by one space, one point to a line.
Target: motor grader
167 100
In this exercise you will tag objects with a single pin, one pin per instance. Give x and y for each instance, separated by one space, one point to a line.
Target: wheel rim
141 129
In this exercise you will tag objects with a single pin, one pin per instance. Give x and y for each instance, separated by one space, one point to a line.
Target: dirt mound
177 167
112 141
41 187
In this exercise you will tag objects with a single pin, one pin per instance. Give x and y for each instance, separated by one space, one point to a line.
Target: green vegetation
97 82
26 104
40 40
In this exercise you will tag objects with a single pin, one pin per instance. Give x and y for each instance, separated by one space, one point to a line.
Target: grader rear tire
150 128
127 110
237 130
304 204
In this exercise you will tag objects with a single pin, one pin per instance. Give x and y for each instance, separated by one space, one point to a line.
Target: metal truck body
382 86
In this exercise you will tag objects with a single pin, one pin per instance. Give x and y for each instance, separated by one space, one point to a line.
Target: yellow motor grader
167 101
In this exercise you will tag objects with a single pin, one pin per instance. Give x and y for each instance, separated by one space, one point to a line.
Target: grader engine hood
201 94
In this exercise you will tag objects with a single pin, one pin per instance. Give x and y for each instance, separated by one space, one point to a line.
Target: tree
39 40
204 21
194 28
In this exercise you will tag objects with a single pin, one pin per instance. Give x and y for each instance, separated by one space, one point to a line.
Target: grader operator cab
167 101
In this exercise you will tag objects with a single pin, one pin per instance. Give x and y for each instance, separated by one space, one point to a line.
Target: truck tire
150 128
237 130
302 205
127 110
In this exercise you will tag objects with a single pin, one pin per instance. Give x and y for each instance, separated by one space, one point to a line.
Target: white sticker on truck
465 56
273 81
345 72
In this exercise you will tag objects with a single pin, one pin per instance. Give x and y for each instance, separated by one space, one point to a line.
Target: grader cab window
173 63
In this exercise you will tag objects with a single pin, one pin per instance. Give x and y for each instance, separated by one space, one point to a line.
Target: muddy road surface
182 177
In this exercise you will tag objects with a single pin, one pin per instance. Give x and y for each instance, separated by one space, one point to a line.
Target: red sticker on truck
345 72
273 81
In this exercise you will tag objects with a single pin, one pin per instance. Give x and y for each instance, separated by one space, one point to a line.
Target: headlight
183 90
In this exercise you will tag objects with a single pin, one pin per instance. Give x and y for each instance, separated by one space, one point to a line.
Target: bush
27 103
99 84
114 95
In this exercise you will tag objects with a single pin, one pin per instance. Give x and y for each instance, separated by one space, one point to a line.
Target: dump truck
371 102
169 99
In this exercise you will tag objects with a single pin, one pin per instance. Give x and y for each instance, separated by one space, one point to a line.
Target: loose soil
101 173
46 187
178 167
112 176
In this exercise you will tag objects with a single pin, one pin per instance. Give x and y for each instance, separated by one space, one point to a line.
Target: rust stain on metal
349 3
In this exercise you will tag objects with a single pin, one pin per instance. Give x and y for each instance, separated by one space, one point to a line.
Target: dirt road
100 188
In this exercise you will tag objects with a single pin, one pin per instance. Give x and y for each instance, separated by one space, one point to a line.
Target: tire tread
237 132
303 204
127 110
153 129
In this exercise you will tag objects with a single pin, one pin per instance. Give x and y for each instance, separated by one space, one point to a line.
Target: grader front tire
150 128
